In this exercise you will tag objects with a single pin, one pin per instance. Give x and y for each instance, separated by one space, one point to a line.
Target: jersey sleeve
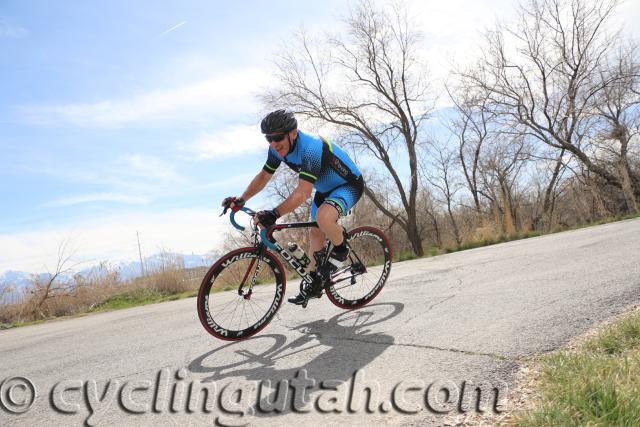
272 163
311 163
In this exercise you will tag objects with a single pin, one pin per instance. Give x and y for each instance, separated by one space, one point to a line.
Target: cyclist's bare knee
327 217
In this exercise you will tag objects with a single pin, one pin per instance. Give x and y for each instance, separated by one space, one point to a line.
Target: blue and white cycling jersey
318 161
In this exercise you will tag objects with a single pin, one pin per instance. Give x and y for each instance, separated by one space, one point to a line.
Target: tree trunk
413 235
549 196
436 228
627 186
497 216
456 232
600 209
509 227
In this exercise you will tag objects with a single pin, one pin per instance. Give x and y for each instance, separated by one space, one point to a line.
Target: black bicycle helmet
279 121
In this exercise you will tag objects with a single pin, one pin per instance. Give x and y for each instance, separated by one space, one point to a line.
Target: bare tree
618 107
500 169
442 177
477 128
371 86
429 213
553 164
549 73
54 284
473 126
587 200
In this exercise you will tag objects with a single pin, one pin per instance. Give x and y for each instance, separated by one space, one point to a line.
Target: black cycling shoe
309 290
338 257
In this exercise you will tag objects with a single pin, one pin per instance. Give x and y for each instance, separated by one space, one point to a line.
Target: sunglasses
275 138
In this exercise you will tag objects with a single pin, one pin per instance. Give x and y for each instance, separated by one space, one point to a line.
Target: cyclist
320 164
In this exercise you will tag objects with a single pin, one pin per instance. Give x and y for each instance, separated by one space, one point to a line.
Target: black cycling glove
268 218
233 203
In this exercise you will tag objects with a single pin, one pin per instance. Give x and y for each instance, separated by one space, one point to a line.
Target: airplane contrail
172 28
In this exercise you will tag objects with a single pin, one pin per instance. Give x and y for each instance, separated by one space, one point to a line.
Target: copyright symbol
17 394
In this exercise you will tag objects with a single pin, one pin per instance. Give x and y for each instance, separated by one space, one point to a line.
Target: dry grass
84 294
549 386
169 278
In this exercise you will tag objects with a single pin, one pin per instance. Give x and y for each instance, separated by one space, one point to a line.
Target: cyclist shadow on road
329 352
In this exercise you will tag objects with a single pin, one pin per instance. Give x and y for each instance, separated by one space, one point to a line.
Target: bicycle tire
353 287
219 300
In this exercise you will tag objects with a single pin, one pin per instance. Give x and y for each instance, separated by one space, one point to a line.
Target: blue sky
119 117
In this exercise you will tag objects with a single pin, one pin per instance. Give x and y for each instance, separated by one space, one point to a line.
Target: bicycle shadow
342 346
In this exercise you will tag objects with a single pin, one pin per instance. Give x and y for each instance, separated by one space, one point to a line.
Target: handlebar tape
267 243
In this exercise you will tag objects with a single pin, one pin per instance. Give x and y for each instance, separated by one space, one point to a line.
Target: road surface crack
438 303
425 346
432 306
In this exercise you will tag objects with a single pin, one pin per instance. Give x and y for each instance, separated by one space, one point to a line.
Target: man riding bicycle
320 164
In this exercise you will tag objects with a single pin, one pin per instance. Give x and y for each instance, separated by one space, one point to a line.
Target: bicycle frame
267 241
284 253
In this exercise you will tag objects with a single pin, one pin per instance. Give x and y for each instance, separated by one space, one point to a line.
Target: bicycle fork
247 295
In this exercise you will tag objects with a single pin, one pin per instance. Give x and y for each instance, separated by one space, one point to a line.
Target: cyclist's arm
256 185
301 194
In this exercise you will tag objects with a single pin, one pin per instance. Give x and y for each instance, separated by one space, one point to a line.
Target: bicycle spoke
234 314
225 306
369 263
251 304
235 309
243 314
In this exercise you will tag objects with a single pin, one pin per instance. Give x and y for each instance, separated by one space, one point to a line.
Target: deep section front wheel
241 293
364 274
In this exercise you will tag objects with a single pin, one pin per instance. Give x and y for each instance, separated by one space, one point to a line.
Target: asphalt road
441 326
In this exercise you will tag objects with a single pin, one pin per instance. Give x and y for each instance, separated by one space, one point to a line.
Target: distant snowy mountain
19 278
127 270
132 269
13 282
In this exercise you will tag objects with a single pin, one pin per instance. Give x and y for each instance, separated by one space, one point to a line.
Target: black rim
362 279
229 307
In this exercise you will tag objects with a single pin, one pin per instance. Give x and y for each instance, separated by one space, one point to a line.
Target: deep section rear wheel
366 271
228 306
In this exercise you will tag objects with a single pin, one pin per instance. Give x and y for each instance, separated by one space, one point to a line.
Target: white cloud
628 15
131 179
238 180
97 197
453 31
224 97
238 140
149 168
114 238
11 31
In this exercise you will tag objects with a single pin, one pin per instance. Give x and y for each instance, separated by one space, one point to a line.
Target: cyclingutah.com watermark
236 401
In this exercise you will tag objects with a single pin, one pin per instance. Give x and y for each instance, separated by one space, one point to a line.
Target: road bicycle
244 289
